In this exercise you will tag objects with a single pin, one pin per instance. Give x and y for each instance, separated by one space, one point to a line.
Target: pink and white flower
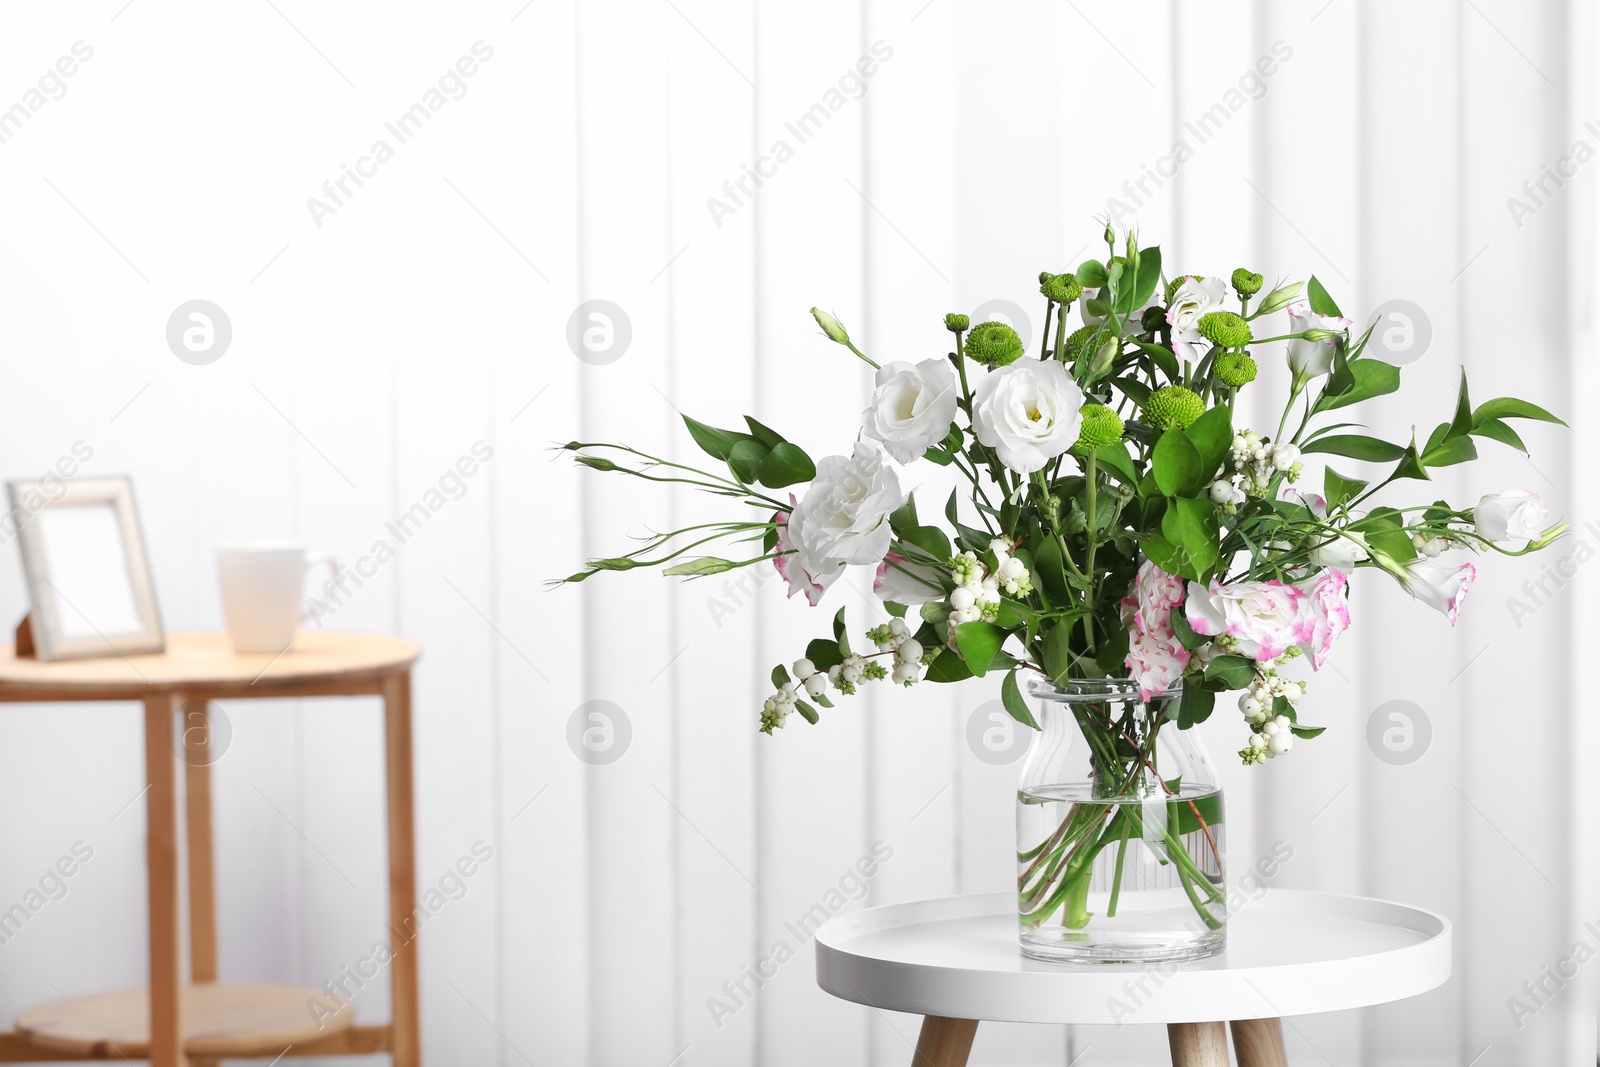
904 582
1514 515
795 571
1264 618
1155 656
1328 614
1192 300
1438 584
1312 359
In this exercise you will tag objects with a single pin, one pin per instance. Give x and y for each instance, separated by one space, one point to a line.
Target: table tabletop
1290 952
205 664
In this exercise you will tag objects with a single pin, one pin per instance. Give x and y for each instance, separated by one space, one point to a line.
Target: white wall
429 313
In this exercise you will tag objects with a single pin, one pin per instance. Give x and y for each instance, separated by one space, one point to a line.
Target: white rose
911 407
1311 359
1516 514
1028 412
1192 300
844 516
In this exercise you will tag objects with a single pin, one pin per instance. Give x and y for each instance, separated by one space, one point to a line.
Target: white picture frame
84 562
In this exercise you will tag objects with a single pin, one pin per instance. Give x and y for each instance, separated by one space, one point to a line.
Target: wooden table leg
944 1042
404 1008
198 756
1198 1044
1259 1043
166 930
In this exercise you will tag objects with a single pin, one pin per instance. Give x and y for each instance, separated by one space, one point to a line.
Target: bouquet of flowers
1115 521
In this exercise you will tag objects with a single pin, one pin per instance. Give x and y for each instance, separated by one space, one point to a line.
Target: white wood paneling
627 900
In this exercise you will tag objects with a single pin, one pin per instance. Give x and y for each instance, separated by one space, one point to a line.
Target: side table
174 1023
955 961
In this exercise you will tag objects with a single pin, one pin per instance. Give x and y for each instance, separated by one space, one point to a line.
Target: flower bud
1280 298
1245 283
599 463
956 323
831 326
1318 335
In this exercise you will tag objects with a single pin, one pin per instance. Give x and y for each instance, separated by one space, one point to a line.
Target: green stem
1116 879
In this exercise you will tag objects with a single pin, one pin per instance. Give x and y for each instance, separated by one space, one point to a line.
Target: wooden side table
955 961
175 1023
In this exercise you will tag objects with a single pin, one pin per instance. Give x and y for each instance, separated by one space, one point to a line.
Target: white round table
955 960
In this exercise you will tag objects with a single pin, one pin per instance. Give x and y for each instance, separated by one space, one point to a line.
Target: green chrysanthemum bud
1172 405
1245 283
1076 338
994 344
831 326
1044 276
1101 426
1062 288
1235 368
956 323
1152 319
1225 329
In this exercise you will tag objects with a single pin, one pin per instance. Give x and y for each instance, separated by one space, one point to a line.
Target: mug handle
334 571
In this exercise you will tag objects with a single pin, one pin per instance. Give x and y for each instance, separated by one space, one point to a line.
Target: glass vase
1119 830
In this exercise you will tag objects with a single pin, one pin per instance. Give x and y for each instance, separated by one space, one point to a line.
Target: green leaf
1191 526
1091 274
1508 407
1149 275
904 518
745 459
1461 424
1133 389
1169 557
1050 571
1176 463
1016 707
897 610
939 456
824 653
785 465
822 699
1164 359
947 666
765 434
1357 446
978 642
1183 631
1056 647
930 540
807 712
716 443
1338 489
780 676
1195 705
1449 452
1212 436
1305 732
1496 430
1234 672
839 634
1373 377
1410 465
1115 457
1321 302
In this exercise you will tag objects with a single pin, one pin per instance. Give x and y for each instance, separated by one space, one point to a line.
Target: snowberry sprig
893 639
976 595
1272 732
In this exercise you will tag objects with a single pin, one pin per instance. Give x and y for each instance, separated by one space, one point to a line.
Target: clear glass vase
1119 830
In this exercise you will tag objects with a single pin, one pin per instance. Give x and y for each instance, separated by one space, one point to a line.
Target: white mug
263 588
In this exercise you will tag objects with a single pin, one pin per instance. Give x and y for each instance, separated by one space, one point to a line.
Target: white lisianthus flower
903 582
911 407
1340 554
1312 359
1438 584
1516 514
844 516
1028 413
1193 299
